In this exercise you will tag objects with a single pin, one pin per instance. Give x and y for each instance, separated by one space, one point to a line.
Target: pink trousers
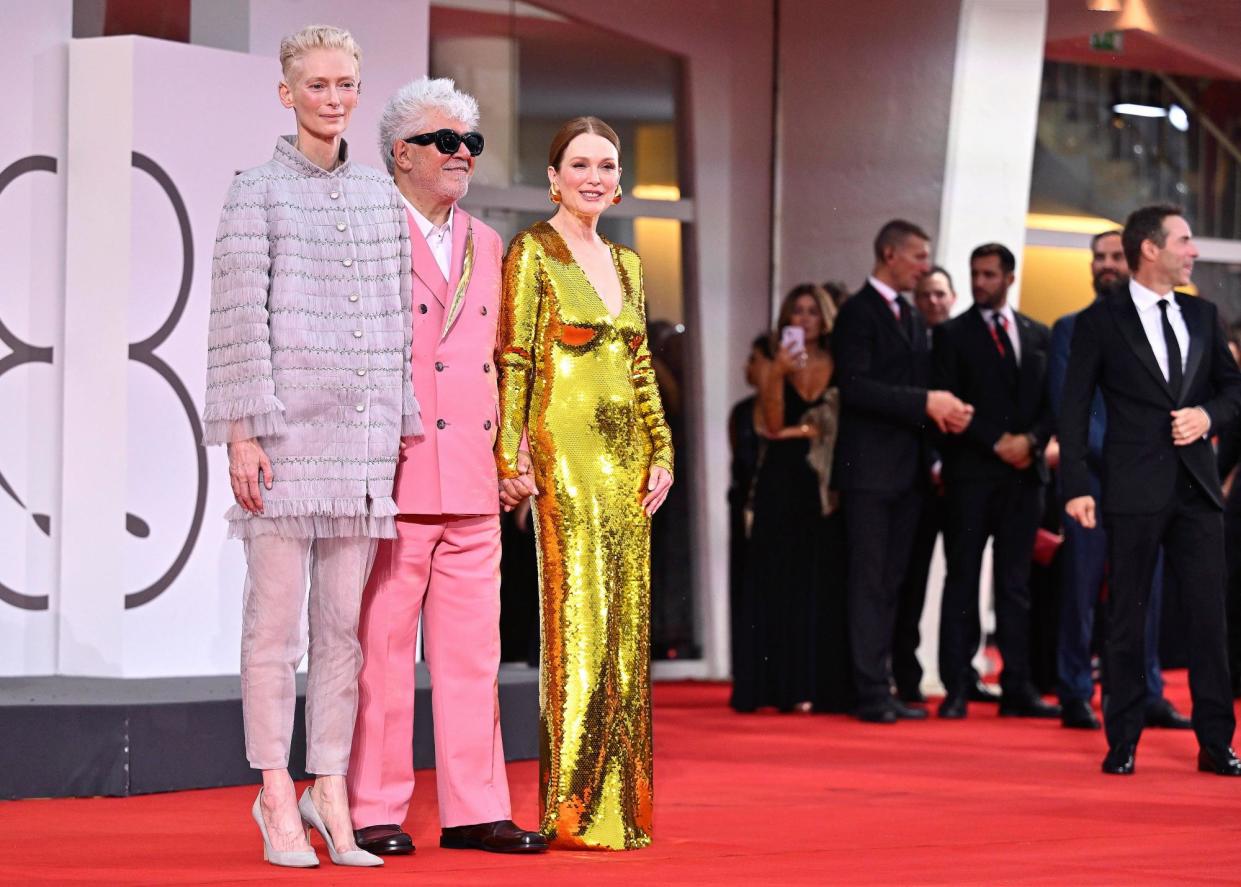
271 647
445 570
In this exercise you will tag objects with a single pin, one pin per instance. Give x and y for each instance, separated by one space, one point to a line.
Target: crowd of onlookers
880 422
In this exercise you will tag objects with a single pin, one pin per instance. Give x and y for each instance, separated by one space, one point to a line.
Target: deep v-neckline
620 279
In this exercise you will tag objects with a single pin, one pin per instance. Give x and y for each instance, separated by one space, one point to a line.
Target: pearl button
340 226
361 408
353 298
357 334
334 194
348 263
440 424
361 372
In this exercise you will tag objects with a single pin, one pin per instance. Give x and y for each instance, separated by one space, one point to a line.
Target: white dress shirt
1147 303
438 237
890 295
1010 327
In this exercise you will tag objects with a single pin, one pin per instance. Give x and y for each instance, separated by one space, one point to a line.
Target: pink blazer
451 468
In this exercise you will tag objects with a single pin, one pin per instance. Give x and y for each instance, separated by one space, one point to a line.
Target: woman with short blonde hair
309 386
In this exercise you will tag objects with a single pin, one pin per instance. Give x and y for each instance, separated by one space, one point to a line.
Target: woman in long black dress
784 628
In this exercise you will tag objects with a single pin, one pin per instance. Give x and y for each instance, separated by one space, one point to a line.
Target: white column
992 125
97 265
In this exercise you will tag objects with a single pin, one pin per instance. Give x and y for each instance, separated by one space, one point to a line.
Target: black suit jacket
882 372
1110 350
967 363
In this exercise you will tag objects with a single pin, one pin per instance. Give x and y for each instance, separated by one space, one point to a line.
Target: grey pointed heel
297 859
310 816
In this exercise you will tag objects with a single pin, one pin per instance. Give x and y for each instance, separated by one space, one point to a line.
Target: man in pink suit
444 564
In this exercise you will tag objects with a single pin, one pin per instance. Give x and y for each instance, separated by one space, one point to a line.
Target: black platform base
79 737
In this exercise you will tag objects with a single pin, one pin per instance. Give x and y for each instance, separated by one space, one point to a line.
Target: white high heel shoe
297 859
310 816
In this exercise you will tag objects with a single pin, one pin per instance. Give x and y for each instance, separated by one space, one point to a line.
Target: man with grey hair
444 564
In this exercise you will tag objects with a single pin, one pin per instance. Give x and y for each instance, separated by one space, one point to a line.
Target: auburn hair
574 128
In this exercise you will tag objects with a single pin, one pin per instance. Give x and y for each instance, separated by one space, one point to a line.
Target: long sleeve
1081 380
241 397
650 407
982 431
411 419
853 340
520 303
1057 370
1225 406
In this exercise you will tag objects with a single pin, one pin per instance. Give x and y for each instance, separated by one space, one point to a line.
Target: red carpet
758 799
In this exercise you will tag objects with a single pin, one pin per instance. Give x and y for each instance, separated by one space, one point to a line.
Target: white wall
33 69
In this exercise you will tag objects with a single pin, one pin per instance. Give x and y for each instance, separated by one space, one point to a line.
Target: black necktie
903 307
1175 373
1005 343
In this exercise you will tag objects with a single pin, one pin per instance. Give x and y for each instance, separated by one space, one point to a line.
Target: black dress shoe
1028 707
1119 760
954 707
384 840
905 712
1164 714
876 713
1076 713
502 836
980 691
1219 760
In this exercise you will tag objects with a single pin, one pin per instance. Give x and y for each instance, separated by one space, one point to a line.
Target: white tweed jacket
309 342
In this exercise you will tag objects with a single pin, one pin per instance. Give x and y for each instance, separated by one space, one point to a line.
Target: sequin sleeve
519 314
650 407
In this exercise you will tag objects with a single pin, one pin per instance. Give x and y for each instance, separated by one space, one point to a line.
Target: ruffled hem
243 419
411 425
315 519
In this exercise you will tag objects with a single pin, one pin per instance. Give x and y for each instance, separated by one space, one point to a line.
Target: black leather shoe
1029 707
1164 714
384 840
1076 713
980 691
954 707
502 836
876 713
1119 760
905 712
1219 760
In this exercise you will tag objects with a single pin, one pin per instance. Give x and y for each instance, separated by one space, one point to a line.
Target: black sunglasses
448 141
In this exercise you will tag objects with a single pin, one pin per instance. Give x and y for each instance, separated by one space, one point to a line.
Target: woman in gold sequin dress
576 381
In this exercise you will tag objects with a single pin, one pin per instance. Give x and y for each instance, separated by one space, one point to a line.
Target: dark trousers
1191 530
880 529
1007 510
906 668
1083 563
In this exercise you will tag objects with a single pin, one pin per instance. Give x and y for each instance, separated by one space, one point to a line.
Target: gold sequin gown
580 384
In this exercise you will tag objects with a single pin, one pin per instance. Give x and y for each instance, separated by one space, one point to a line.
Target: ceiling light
1140 110
1178 118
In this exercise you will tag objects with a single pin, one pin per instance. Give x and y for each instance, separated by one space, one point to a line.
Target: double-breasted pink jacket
450 469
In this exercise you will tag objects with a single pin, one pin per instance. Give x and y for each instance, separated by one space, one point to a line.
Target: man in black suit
1167 377
996 359
882 369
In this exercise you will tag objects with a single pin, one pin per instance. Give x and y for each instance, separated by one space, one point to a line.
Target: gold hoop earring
618 196
552 194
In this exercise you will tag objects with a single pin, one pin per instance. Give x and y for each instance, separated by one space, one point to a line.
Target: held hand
949 413
659 485
1189 425
787 361
514 490
1081 510
245 460
1014 449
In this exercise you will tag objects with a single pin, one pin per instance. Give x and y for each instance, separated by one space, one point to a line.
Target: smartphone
793 340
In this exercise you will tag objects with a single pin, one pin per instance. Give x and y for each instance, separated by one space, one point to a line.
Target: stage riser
82 750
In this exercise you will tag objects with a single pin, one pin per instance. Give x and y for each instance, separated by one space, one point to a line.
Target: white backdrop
32 221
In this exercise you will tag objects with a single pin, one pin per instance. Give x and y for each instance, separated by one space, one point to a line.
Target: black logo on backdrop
143 352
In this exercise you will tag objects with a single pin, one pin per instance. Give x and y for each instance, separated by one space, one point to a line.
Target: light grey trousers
271 647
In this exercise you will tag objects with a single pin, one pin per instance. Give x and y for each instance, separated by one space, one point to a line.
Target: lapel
1199 337
460 225
880 305
425 268
982 333
1126 314
1029 368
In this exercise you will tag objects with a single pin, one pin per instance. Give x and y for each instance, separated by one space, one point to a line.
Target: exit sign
1107 41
